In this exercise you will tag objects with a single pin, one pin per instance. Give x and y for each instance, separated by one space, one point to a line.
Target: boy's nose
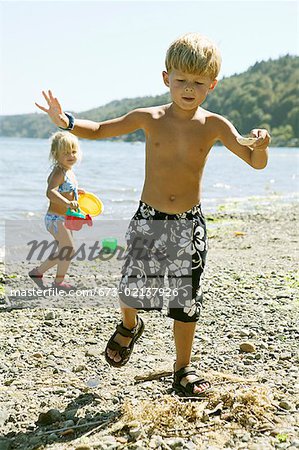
189 88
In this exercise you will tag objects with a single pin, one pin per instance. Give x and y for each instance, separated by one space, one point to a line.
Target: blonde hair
194 53
63 142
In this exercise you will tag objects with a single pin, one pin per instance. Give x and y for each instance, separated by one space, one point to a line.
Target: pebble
79 368
244 333
68 424
51 416
247 347
285 356
284 404
93 352
51 438
136 433
51 315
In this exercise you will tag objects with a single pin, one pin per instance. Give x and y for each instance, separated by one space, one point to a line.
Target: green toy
110 244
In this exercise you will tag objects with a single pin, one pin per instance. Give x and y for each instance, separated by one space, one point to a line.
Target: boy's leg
186 312
140 271
183 337
129 321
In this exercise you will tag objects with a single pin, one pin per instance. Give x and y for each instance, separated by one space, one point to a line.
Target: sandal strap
125 331
183 372
123 351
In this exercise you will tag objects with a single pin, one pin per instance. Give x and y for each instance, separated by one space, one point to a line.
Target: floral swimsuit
51 219
156 242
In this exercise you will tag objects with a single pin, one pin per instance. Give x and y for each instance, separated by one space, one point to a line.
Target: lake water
114 171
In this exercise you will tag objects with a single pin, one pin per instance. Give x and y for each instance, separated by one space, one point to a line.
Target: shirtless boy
179 137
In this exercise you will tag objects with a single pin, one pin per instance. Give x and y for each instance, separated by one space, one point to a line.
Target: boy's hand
73 204
81 191
55 111
263 141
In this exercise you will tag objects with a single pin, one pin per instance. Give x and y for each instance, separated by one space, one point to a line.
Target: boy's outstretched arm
88 129
257 156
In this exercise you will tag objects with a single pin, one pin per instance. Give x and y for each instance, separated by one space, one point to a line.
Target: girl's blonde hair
63 142
194 53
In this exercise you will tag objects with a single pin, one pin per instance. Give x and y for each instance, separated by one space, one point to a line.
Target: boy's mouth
188 99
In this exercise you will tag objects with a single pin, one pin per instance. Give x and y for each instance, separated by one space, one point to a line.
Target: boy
179 137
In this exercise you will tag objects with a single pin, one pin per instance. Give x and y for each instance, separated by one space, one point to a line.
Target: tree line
265 96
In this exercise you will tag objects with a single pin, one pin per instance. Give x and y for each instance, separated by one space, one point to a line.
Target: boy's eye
197 82
180 80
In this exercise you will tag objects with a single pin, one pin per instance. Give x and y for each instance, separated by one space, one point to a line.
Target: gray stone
50 315
68 423
53 437
51 416
136 432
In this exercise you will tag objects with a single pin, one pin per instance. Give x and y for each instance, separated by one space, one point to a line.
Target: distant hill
265 96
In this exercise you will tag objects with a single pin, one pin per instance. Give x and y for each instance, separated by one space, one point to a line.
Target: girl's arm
54 181
88 129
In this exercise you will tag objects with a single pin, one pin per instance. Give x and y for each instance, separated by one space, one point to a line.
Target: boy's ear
165 76
213 85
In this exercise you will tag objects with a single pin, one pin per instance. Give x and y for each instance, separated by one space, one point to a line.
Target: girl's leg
63 255
66 248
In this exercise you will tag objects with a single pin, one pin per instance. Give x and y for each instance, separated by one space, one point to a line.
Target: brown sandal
124 352
188 390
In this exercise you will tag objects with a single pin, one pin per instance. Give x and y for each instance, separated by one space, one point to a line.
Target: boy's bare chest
188 143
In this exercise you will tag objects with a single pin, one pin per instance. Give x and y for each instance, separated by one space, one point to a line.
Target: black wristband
71 122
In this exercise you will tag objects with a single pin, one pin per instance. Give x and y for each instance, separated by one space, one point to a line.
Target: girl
63 194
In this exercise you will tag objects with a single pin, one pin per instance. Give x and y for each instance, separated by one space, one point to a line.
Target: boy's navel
172 198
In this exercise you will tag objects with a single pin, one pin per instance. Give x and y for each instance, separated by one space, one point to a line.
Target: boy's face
187 90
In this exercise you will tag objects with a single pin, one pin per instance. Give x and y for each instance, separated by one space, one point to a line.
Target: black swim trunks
164 262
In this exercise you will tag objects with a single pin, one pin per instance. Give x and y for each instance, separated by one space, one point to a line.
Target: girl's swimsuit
53 219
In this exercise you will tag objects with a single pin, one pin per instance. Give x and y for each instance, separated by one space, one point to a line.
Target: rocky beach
58 392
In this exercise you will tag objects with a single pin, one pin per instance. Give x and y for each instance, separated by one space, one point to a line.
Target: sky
92 52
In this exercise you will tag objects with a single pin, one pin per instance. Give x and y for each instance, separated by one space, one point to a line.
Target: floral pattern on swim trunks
170 246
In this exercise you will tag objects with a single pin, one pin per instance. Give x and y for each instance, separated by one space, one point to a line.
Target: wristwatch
71 121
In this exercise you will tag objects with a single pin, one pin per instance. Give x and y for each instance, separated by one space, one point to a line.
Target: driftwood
74 427
153 376
167 373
